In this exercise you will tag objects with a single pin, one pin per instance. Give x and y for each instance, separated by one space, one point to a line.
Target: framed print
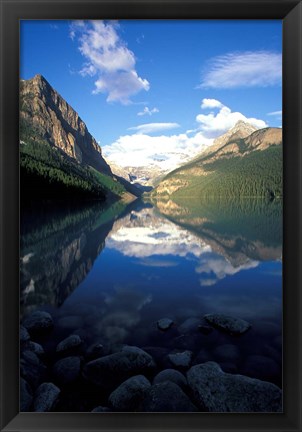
150 215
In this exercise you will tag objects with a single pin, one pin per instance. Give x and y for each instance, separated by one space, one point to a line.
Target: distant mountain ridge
57 148
238 163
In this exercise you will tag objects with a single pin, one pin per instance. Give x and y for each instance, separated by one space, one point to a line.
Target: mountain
58 155
235 165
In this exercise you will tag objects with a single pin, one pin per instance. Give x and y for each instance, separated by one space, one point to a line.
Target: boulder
26 396
115 368
231 325
217 391
71 343
36 348
128 396
46 396
164 324
24 335
101 409
181 359
38 323
171 375
95 351
167 397
31 368
67 370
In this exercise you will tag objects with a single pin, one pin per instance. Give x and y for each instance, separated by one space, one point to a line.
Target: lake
109 274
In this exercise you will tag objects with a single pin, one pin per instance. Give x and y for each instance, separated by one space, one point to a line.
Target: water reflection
59 245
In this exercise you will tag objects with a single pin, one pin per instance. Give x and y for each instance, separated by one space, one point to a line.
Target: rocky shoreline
73 376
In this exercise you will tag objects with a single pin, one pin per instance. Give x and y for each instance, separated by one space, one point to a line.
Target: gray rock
72 342
227 352
26 396
171 375
101 409
216 391
36 348
167 397
67 370
24 335
189 325
164 324
31 368
46 397
117 367
38 322
182 359
95 351
128 396
231 325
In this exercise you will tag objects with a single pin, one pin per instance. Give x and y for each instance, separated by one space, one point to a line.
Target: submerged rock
231 325
36 348
128 396
217 391
164 324
189 325
167 397
24 335
171 375
95 351
70 343
67 370
101 409
26 396
39 322
115 368
46 397
181 359
31 368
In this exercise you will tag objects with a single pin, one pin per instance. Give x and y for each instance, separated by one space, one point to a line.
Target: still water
110 273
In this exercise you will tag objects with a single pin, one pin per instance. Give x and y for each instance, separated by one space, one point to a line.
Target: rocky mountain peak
240 130
44 111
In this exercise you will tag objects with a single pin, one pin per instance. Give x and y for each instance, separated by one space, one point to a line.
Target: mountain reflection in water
110 274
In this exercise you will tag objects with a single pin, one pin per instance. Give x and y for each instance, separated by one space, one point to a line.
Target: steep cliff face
54 120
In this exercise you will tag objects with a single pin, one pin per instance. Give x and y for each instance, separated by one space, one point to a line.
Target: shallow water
110 274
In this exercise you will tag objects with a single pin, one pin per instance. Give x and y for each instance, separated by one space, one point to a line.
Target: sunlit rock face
44 109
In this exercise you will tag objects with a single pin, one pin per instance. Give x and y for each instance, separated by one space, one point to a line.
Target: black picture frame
290 11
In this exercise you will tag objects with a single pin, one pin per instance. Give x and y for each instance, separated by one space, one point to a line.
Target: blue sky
159 84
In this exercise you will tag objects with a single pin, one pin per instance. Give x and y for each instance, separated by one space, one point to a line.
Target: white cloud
147 111
164 152
244 69
109 59
213 124
153 127
275 113
211 103
168 152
